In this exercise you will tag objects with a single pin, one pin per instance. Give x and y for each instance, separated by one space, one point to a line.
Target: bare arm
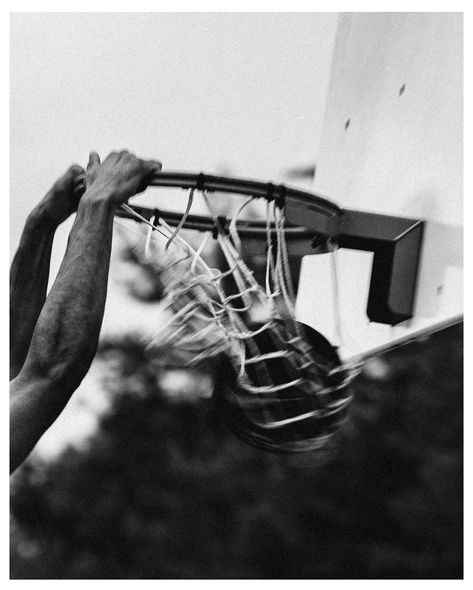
65 339
30 268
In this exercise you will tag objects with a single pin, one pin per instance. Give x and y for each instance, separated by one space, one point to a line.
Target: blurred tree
165 491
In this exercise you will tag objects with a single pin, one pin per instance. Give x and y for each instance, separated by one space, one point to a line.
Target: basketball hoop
282 386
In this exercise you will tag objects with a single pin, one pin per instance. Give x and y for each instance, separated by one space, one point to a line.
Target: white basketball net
206 322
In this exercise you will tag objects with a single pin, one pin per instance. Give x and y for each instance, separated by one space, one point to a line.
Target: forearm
66 335
29 275
65 339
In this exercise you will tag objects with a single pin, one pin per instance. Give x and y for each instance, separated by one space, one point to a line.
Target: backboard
392 145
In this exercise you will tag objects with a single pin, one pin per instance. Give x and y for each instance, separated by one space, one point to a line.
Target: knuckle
75 169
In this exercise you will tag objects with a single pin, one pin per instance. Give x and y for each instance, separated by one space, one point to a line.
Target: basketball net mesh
204 322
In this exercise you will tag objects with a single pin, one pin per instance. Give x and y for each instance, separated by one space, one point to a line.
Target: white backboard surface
391 144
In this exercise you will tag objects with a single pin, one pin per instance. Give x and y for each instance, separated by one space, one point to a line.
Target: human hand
63 197
120 176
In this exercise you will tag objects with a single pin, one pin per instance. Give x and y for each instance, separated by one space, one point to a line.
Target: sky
200 91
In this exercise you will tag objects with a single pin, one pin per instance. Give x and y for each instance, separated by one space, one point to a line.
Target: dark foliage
166 491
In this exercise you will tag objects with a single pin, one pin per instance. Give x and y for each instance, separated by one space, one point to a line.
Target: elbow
37 397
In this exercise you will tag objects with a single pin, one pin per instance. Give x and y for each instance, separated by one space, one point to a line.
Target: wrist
99 196
97 201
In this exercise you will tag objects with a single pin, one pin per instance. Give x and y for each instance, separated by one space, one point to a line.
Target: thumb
151 167
94 160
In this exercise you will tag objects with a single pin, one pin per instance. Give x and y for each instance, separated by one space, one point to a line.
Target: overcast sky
200 91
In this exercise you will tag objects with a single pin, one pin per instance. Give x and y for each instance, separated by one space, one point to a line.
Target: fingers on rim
153 165
148 165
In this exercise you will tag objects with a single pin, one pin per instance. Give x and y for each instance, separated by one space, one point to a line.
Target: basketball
289 420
